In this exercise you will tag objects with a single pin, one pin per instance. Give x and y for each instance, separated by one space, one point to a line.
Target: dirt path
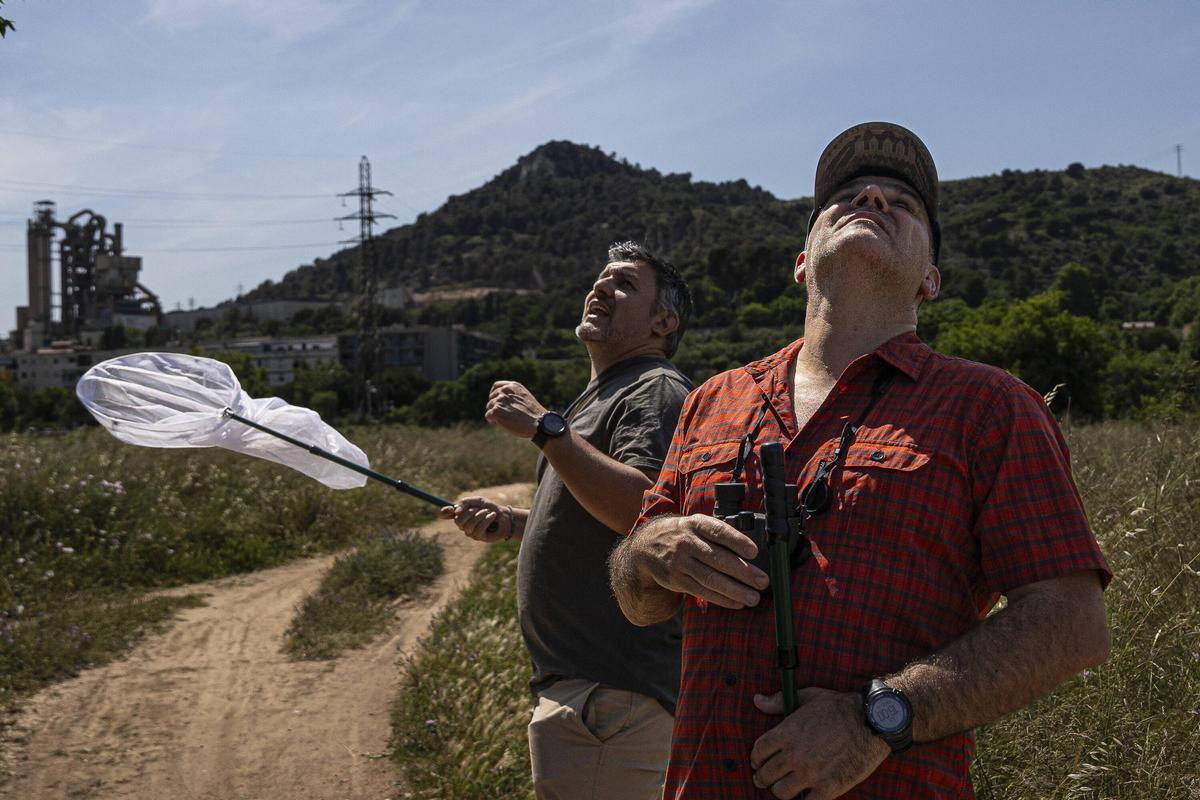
212 710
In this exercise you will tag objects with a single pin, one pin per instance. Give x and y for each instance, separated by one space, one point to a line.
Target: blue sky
209 124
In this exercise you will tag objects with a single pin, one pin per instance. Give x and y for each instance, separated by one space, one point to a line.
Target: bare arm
1049 631
670 556
607 489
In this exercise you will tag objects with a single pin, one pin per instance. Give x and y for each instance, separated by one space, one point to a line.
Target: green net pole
370 473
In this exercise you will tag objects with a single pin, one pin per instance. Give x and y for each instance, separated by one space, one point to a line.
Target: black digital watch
550 425
889 715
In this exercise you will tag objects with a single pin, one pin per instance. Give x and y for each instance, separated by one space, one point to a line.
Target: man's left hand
823 748
514 408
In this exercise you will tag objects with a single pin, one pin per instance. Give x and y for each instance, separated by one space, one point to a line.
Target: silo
39 243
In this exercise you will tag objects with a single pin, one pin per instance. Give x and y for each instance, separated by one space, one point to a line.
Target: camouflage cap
879 148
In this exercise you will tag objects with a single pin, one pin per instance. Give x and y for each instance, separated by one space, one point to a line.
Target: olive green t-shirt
572 625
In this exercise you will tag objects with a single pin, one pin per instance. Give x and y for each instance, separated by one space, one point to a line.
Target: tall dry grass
1131 727
1128 729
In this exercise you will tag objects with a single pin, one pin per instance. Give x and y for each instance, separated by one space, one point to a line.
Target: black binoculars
731 499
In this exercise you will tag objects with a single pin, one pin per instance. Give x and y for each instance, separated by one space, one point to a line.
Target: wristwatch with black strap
550 425
889 715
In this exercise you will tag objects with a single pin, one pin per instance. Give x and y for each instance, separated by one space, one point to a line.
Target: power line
141 250
197 223
163 221
231 249
155 194
166 149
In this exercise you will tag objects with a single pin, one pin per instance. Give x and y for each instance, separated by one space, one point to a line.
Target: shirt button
705 456
730 679
877 455
730 765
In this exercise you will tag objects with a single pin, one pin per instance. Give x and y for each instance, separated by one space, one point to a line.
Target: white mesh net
177 400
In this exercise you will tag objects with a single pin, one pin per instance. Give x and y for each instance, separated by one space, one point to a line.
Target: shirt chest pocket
703 465
884 485
901 456
882 467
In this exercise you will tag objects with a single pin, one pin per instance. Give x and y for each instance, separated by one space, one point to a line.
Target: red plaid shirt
956 489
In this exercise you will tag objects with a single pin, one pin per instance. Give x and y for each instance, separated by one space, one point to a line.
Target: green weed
459 722
354 601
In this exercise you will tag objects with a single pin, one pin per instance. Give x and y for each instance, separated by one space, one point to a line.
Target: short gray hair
672 293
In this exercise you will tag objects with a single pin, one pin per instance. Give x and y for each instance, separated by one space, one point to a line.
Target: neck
835 335
605 354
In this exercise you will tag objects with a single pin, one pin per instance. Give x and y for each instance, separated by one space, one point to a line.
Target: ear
931 284
664 323
799 272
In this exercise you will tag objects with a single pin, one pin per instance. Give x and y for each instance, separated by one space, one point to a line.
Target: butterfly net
177 400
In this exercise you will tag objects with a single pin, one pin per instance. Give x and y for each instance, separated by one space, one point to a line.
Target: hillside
1040 269
546 219
1006 235
544 223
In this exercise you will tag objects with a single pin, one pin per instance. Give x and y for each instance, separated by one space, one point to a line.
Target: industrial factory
61 332
98 284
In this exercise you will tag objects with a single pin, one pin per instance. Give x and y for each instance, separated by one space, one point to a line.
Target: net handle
408 489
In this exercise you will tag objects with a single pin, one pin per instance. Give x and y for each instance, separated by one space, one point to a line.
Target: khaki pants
593 742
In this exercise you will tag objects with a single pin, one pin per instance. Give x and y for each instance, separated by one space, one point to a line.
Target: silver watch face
888 714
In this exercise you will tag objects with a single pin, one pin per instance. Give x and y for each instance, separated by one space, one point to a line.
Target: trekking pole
778 499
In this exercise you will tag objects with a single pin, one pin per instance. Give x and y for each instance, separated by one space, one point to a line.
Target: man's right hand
475 515
701 556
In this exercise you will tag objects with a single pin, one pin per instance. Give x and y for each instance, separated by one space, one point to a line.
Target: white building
63 364
280 356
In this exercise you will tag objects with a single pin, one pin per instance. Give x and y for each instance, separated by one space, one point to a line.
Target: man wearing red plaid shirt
948 485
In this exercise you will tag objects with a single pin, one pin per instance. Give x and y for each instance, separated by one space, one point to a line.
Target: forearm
519 517
643 600
1009 660
609 490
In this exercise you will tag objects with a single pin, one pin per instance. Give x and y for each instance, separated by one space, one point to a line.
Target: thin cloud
282 21
507 111
615 38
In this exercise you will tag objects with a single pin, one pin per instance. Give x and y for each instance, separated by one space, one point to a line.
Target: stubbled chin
862 246
588 332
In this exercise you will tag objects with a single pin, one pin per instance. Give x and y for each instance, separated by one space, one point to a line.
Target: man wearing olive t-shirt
605 688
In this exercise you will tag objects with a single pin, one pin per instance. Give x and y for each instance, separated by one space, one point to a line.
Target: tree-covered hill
1039 268
544 224
1136 231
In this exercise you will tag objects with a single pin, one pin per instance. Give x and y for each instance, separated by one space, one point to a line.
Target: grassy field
1128 729
89 525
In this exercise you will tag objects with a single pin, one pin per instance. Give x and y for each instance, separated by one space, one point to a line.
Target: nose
603 286
870 195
